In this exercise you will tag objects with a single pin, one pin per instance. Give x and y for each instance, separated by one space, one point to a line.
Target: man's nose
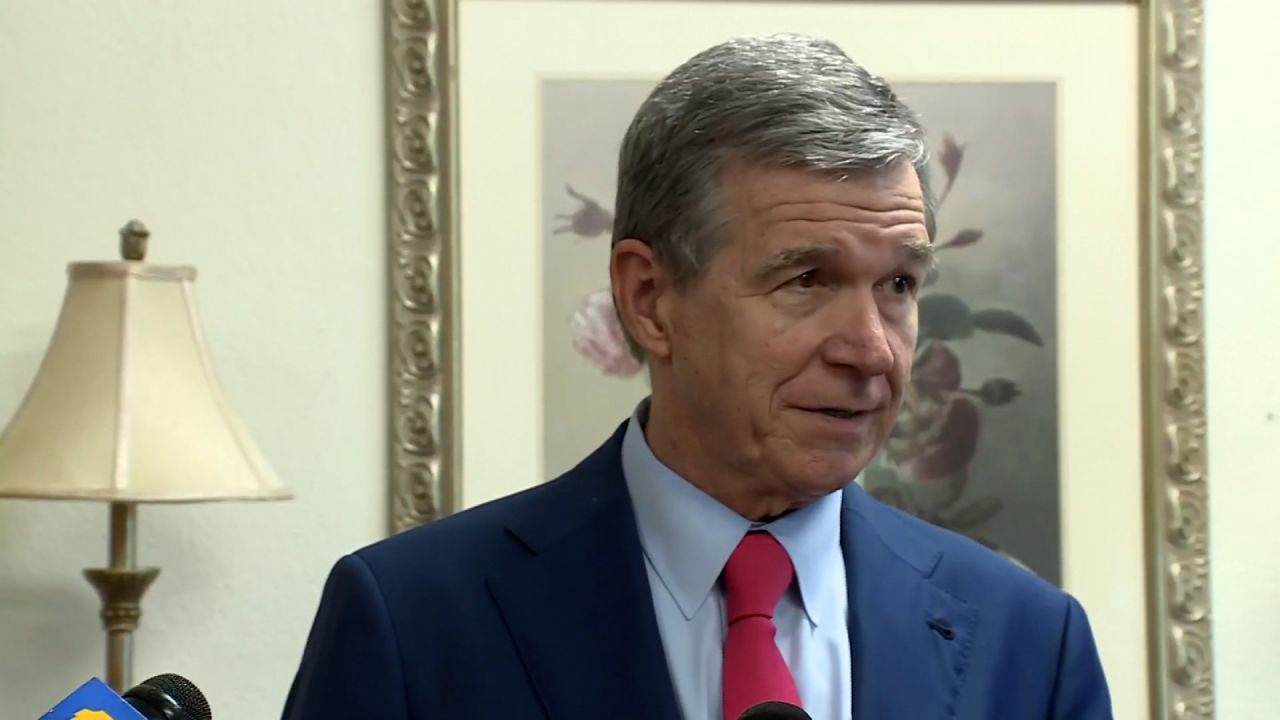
859 340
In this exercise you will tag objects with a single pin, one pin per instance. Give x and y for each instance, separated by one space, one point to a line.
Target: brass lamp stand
121 587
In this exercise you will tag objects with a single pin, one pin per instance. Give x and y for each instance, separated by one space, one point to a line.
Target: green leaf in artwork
877 475
944 317
967 236
1007 322
890 496
952 156
974 514
997 391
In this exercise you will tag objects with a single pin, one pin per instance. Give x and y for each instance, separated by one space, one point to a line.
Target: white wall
247 135
1242 260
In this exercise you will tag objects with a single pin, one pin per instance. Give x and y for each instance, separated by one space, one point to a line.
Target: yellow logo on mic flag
91 715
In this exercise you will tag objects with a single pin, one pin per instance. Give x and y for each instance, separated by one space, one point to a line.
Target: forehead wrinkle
885 216
914 237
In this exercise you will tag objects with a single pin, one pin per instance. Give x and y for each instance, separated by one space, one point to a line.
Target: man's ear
638 284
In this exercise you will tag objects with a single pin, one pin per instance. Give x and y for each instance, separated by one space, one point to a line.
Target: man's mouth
838 413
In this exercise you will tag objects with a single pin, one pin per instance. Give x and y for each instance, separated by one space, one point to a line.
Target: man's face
792 352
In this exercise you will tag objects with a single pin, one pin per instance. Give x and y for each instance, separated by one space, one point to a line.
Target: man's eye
807 279
903 284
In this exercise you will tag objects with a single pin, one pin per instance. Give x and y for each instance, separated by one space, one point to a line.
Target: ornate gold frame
422 250
422 173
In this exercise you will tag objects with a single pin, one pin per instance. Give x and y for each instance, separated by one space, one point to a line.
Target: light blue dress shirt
687 538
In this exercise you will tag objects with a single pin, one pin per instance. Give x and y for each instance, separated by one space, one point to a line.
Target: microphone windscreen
169 692
774 711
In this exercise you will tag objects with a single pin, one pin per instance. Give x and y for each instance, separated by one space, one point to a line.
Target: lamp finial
133 240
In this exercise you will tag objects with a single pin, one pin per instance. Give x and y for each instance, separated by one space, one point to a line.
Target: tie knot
758 572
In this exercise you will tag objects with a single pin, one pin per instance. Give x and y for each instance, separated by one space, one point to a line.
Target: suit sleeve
1080 688
351 665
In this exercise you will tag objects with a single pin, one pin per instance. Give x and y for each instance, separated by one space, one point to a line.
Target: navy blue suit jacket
538 606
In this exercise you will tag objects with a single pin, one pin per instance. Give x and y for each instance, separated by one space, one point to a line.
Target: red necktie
755 578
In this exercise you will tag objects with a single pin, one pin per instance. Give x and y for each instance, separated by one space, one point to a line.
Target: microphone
169 697
774 711
163 697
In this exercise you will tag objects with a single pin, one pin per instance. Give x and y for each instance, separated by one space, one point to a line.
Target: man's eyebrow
791 258
915 249
919 249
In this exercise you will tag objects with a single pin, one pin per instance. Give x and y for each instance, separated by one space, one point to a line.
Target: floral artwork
597 332
598 336
939 427
975 446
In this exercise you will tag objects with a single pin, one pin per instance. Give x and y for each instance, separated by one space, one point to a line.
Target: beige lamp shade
125 406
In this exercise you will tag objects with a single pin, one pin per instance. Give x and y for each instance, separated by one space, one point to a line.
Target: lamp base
121 592
121 587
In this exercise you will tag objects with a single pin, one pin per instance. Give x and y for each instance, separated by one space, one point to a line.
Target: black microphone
168 697
774 711
163 697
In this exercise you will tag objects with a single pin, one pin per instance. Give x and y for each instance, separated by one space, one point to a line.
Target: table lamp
125 409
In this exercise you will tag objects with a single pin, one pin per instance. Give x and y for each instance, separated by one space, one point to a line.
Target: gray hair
782 100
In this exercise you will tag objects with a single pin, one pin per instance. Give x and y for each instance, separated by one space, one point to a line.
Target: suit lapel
909 638
579 607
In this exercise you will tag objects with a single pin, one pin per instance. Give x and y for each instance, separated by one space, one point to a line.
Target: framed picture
1056 409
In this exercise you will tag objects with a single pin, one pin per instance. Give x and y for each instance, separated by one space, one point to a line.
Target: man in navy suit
773 225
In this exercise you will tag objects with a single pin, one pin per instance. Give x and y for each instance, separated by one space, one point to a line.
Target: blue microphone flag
94 700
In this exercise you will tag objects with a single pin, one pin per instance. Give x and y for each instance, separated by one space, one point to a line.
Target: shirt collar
811 536
688 535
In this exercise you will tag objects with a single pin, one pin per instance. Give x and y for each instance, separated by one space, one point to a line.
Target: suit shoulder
451 544
460 550
968 567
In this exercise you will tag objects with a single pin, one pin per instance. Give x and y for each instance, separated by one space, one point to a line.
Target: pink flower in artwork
936 437
949 446
936 372
597 336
